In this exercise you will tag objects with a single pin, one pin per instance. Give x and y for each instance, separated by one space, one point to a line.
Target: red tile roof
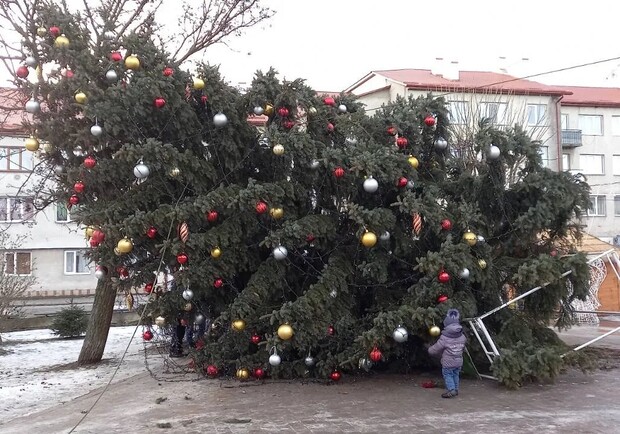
470 81
12 112
592 96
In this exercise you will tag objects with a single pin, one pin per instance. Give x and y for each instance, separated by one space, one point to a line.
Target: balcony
571 138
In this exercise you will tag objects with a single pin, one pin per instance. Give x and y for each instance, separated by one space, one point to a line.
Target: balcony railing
571 138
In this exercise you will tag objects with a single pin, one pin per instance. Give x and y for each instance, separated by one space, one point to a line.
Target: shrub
70 322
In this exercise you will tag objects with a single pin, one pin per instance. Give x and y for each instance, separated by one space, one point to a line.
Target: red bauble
376 355
212 371
93 242
258 373
122 272
338 172
261 207
553 253
446 225
402 182
204 99
68 73
255 339
283 111
331 331
159 102
442 298
329 101
182 258
115 56
391 131
168 71
443 277
98 236
78 187
218 283
429 120
402 142
90 162
288 124
212 216
151 232
147 335
148 288
22 72
184 322
55 31
330 127
310 238
335 376
74 200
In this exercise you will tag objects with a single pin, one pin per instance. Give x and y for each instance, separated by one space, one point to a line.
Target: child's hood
453 330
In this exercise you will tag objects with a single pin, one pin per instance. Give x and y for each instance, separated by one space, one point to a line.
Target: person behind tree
449 347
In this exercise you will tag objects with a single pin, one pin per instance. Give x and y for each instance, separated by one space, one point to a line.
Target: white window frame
500 116
539 112
15 159
585 170
57 208
615 165
9 206
543 151
564 121
587 132
15 253
617 205
75 254
598 206
615 125
459 112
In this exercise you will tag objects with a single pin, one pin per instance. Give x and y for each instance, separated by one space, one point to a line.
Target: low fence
119 318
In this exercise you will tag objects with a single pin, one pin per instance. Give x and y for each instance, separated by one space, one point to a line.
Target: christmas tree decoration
400 334
32 144
371 185
402 182
258 373
238 325
331 331
199 319
22 72
148 288
174 172
98 236
434 331
168 71
309 361
369 239
258 110
212 371
216 252
183 231
88 232
74 200
96 130
124 245
90 162
198 83
141 171
392 131
480 239
274 357
132 62
160 321
441 144
54 31
61 42
80 98
269 110
255 339
350 140
493 152
67 73
278 149
78 187
212 216
443 277
33 106
280 253
385 236
364 364
220 120
123 273
111 76
482 264
261 207
312 110
30 61
375 355
101 272
416 224
335 375
342 108
276 213
159 102
182 258
314 164
218 283
147 335
188 294
288 124
442 298
464 273
285 332
115 56
413 162
283 112
151 232
41 31
310 238
470 238
446 224
402 142
330 127
429 120
242 374
329 101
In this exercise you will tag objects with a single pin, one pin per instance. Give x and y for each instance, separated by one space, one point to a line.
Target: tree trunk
98 323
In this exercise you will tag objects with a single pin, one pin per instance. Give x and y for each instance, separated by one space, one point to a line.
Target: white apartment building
44 244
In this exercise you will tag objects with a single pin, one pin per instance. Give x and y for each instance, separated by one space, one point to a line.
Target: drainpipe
558 124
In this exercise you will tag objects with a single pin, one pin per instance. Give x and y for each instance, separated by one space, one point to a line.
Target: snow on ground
32 377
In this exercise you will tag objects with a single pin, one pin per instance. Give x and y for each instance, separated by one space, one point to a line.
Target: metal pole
486 333
594 340
484 347
602 312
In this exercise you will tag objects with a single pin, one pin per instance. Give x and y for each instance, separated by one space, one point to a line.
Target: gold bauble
243 374
238 325
312 110
160 321
482 263
285 332
413 161
32 144
132 62
268 109
125 245
216 252
369 239
278 150
276 213
88 232
188 307
470 238
80 98
61 42
199 83
41 31
434 331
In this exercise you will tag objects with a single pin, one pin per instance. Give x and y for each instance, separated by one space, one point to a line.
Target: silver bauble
400 334
258 110
33 106
342 108
480 239
385 236
31 61
111 75
464 273
410 184
309 361
188 294
200 318
365 364
274 360
220 119
100 273
280 253
441 144
333 293
314 164
370 185
351 140
96 130
493 153
141 171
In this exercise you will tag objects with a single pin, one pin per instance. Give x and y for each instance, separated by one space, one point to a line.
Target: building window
592 164
16 209
564 121
17 263
617 206
615 163
536 114
597 206
76 262
62 213
615 125
543 151
591 125
13 159
459 111
565 162
495 112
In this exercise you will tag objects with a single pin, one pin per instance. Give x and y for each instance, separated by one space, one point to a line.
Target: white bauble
111 75
314 164
258 110
342 108
464 273
370 185
309 361
31 61
274 360
96 130
200 318
385 236
100 273
480 239
33 106
188 294
400 334
493 152
351 140
441 144
141 171
280 253
219 120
